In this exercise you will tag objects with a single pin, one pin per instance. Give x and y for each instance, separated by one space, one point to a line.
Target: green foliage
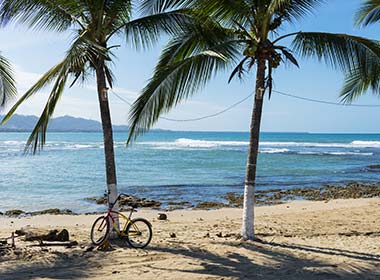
364 76
94 23
234 35
7 82
368 13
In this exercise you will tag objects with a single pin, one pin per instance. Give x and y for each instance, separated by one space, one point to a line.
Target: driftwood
56 243
34 234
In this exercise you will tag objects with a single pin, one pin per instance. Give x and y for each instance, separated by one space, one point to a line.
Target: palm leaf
293 9
337 50
81 53
57 15
186 65
37 138
146 31
7 82
368 13
150 7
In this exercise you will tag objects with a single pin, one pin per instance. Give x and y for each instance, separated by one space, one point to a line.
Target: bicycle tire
135 225
105 235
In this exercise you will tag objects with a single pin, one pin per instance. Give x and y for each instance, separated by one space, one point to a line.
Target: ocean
176 166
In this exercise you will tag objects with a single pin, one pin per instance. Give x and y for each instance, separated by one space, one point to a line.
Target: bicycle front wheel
100 230
139 233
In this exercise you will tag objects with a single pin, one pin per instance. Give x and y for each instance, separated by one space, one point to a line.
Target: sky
33 52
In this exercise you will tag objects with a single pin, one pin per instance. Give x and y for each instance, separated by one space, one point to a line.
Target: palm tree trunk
253 150
107 135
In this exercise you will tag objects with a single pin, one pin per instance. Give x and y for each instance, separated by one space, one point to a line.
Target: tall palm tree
240 35
7 82
95 23
362 79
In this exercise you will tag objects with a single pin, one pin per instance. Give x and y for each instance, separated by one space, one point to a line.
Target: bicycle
137 232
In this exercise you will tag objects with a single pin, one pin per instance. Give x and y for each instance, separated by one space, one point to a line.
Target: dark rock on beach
128 200
210 205
276 196
14 212
53 211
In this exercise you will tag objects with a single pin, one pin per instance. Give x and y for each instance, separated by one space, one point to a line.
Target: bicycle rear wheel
139 233
100 230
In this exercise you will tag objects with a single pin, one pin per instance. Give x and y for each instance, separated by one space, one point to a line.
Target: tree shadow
326 251
269 264
57 266
241 260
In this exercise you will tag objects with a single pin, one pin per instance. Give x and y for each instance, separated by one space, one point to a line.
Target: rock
210 205
173 205
14 212
63 235
162 217
172 235
128 200
53 211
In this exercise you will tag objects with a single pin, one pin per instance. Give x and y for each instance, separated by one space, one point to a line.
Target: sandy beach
339 239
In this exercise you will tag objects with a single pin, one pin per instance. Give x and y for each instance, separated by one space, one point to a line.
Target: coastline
299 240
352 190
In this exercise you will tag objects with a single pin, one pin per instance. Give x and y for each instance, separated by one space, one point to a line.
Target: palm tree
240 35
362 79
7 82
95 24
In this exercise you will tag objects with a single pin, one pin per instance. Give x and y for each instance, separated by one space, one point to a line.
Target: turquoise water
180 166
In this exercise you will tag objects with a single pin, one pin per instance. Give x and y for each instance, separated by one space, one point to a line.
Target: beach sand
337 239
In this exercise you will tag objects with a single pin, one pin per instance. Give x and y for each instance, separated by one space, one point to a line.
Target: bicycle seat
134 205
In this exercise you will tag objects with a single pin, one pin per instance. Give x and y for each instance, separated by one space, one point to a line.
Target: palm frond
146 31
368 13
227 12
7 83
361 79
57 15
293 9
239 69
150 7
340 51
186 65
81 53
37 138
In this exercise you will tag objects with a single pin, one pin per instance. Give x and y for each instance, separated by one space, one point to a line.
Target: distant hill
21 123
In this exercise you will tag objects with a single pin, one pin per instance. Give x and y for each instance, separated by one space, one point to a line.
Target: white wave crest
273 151
353 144
182 143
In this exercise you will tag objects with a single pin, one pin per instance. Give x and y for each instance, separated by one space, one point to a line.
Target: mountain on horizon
22 123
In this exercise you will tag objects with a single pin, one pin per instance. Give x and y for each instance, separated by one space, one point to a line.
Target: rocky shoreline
352 190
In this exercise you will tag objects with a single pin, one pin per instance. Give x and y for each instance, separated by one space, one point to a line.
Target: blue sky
34 52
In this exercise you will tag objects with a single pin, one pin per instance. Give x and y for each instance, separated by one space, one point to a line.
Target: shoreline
352 190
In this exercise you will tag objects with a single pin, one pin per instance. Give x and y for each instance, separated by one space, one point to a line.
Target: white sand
301 240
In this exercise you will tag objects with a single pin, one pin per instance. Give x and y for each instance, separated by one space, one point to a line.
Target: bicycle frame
114 224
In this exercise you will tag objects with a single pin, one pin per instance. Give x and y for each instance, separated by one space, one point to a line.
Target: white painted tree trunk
248 213
112 196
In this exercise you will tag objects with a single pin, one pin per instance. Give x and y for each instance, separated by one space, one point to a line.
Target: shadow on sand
282 264
243 260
